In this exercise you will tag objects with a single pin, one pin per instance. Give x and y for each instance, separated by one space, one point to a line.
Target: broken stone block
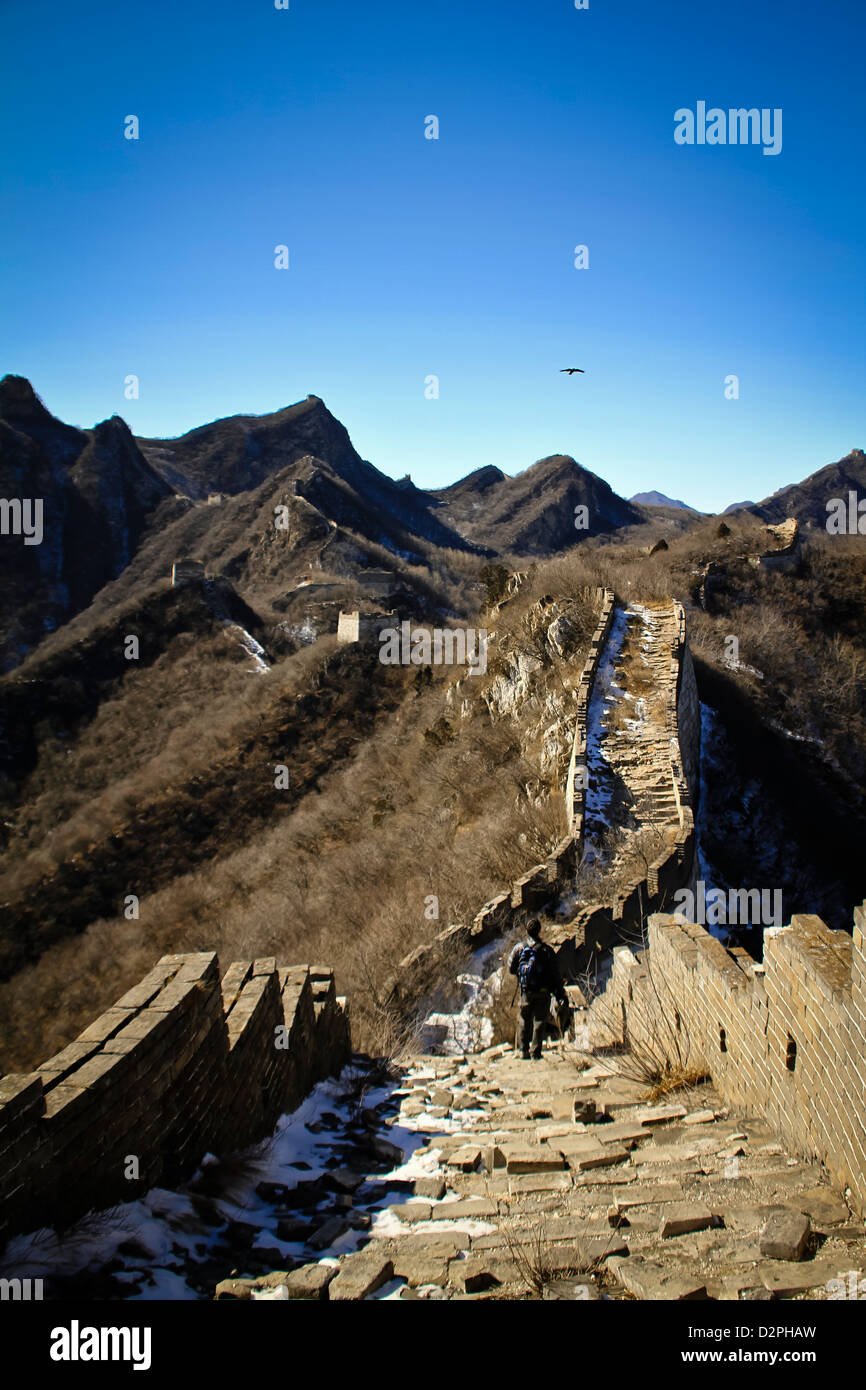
418 1270
474 1274
745 1218
384 1149
545 1133
293 1228
360 1275
652 1280
620 1133
661 1114
786 1235
412 1211
433 1188
333 1228
430 1246
442 1098
472 1209
700 1117
540 1160
799 1276
466 1158
600 1156
467 1103
822 1204
310 1281
526 1183
681 1218
341 1180
235 1288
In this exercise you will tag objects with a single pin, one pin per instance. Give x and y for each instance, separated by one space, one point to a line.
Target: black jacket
551 976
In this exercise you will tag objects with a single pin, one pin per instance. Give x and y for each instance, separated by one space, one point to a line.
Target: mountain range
119 509
658 499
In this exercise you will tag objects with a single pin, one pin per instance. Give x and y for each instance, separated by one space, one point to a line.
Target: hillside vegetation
413 795
243 783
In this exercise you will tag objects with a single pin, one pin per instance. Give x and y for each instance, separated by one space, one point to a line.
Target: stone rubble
515 1198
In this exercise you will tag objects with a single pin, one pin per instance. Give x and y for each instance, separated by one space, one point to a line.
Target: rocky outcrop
97 493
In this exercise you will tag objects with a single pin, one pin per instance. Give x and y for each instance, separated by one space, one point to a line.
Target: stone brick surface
182 1065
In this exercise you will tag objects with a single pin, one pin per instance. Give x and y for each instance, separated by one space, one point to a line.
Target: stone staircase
631 765
556 1179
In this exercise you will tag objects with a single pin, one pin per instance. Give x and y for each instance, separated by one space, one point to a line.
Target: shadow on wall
783 1039
180 1066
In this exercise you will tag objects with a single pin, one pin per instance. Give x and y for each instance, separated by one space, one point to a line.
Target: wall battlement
785 1039
182 1065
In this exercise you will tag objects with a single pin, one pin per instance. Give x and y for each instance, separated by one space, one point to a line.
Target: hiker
538 977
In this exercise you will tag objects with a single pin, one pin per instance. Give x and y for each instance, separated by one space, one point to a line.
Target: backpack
532 968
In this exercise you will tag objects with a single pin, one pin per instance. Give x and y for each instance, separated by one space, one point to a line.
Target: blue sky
454 257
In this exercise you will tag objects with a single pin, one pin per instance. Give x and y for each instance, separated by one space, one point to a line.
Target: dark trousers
533 1013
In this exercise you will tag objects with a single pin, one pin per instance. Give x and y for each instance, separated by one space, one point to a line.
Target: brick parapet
185 1063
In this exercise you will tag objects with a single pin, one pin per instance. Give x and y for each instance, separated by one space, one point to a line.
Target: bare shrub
529 1248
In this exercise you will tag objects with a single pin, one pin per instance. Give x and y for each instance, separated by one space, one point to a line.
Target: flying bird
571 369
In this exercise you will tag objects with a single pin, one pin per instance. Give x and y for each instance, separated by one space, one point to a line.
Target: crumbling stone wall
785 1038
360 627
575 797
182 1065
541 884
599 926
684 721
784 554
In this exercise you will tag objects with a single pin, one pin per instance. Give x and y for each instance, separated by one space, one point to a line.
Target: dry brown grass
347 877
644 1036
683 1079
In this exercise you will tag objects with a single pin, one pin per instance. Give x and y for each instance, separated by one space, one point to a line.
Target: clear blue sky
411 256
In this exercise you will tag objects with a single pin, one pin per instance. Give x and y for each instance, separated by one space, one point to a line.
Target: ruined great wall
188 1064
784 1039
597 925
